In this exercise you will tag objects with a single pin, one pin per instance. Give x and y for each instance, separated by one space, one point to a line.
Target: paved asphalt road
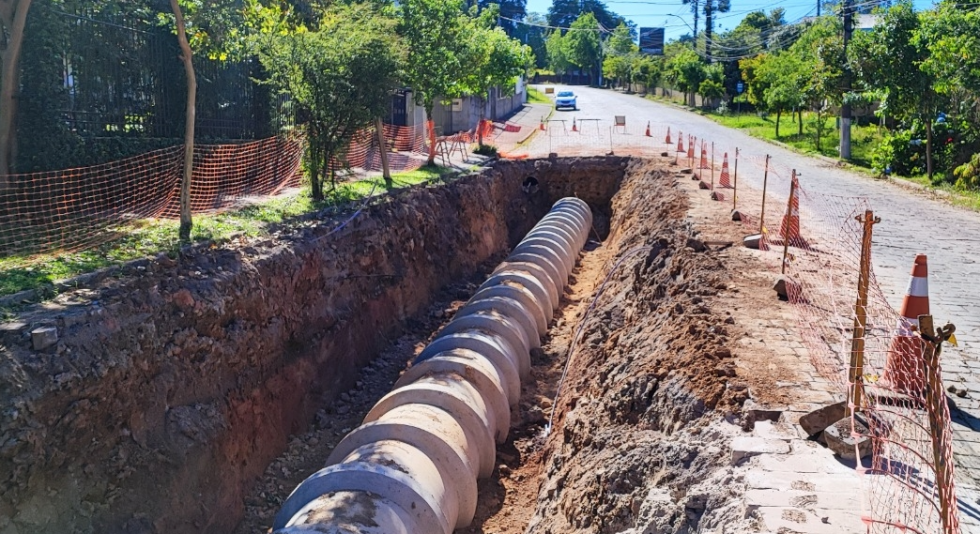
912 222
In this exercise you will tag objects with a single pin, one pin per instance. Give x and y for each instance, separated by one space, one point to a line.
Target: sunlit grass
537 97
147 238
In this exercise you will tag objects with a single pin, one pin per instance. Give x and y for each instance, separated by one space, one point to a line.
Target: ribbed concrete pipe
455 394
490 346
412 466
541 262
529 282
497 324
351 511
510 307
389 469
435 432
571 222
552 252
538 273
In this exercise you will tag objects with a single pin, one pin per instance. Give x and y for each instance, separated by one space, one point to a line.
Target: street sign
652 41
740 87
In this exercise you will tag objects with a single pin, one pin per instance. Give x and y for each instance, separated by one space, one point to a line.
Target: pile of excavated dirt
638 444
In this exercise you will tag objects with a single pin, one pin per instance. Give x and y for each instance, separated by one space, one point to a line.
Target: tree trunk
778 113
799 122
14 17
383 151
185 185
929 146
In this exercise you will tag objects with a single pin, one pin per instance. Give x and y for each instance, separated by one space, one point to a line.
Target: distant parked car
566 99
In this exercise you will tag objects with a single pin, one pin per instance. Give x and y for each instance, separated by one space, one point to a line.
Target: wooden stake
861 315
712 165
932 346
789 220
765 180
735 191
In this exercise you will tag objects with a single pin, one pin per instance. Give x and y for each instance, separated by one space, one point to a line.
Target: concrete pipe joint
412 466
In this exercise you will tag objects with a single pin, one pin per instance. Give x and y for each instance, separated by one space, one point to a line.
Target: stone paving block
777 430
800 521
745 447
802 463
848 484
809 500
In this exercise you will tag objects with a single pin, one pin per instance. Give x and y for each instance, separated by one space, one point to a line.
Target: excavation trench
173 384
636 441
193 395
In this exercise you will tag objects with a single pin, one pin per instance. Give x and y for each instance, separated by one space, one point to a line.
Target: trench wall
174 382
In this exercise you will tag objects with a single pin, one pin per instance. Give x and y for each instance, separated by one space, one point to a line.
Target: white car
566 99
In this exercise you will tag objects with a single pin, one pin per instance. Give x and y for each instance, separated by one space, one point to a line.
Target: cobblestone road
912 222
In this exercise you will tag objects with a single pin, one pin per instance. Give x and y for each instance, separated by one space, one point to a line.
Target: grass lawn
537 97
141 239
863 138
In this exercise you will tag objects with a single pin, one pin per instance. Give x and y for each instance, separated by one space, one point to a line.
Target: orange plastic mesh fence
823 261
76 209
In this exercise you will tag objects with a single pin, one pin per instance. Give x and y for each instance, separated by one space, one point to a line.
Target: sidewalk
519 128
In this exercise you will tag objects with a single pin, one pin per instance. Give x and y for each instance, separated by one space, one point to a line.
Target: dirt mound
633 445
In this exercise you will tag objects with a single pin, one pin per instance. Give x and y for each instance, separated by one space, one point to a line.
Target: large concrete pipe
412 466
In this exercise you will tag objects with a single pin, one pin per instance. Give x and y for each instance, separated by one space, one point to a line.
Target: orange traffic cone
904 367
574 126
690 150
542 124
680 142
704 157
667 141
724 180
789 228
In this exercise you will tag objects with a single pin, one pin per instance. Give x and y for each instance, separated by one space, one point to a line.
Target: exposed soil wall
175 382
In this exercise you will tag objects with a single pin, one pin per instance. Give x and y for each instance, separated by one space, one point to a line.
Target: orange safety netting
77 209
823 257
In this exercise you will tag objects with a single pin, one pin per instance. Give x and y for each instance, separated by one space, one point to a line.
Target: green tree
13 19
584 45
341 76
563 13
433 35
712 87
710 8
890 63
820 50
493 60
648 71
949 38
687 71
559 55
783 79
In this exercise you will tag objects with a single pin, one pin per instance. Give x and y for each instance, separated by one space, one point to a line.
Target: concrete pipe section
412 466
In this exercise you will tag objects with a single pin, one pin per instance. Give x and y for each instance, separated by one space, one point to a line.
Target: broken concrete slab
848 442
818 420
744 448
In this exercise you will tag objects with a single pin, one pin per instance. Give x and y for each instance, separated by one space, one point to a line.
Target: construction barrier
76 209
817 240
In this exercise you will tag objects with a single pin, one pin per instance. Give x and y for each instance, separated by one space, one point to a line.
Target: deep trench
180 390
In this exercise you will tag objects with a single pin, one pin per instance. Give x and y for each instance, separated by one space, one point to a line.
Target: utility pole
845 109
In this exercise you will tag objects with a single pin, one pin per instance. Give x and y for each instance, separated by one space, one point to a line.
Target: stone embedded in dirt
816 421
345 397
686 171
695 244
438 314
44 337
717 196
736 215
342 409
730 320
665 154
842 438
760 412
753 241
783 285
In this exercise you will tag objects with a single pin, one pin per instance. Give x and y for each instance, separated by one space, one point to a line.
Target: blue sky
660 13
